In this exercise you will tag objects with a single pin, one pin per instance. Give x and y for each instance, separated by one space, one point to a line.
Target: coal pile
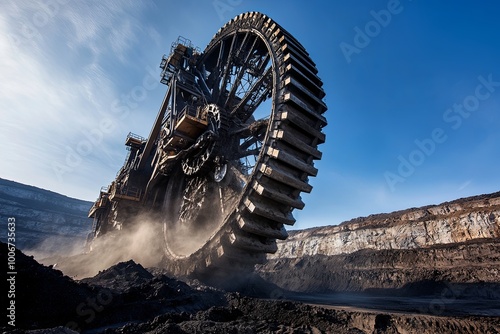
127 298
120 277
44 297
123 293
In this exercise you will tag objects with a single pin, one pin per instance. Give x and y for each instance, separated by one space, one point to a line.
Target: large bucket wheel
268 94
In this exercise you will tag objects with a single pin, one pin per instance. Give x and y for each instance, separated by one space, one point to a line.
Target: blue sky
413 90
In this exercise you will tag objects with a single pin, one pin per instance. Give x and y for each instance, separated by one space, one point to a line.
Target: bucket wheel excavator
230 152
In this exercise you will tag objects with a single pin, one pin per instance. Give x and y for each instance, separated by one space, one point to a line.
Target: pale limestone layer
458 221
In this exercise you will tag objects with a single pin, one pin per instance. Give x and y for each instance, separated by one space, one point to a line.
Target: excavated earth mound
127 298
121 294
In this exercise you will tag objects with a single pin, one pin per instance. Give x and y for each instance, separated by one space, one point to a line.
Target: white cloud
56 86
103 26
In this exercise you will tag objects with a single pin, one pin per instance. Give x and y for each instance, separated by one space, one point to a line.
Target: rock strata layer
456 242
448 223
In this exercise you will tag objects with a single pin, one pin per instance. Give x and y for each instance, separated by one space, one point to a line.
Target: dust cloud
186 238
206 218
57 245
142 242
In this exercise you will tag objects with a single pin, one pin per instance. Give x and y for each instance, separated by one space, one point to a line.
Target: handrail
135 136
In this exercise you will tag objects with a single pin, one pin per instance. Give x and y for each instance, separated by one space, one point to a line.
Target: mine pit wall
418 228
454 242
